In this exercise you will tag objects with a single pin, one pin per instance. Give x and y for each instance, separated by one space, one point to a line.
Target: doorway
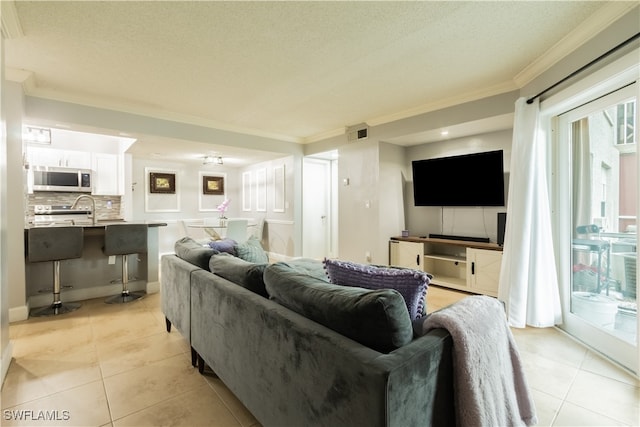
319 206
598 169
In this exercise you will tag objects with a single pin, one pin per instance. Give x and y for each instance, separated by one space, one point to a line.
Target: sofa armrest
175 292
420 382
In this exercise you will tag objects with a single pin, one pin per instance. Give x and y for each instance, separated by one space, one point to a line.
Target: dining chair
237 229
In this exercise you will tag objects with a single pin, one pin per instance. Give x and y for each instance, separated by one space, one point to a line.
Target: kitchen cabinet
107 174
456 264
52 157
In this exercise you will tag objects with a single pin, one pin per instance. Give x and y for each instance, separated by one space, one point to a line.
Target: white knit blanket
489 381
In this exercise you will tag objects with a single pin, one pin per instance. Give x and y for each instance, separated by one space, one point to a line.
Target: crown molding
588 29
11 27
27 79
445 103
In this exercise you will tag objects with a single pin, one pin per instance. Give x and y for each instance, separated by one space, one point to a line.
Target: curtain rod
579 70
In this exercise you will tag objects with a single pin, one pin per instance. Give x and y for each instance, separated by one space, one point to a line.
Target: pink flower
222 207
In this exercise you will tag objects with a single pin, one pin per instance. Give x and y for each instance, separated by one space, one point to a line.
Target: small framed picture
162 183
213 185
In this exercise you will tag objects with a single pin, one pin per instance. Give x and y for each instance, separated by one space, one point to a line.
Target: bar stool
125 239
55 244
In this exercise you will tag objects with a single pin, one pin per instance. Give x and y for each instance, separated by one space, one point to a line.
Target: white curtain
528 279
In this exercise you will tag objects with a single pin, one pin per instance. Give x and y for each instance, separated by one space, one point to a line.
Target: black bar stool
55 244
125 239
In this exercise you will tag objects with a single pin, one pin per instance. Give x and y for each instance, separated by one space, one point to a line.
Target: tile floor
113 365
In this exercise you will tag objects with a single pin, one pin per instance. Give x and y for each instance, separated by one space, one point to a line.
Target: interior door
599 166
316 218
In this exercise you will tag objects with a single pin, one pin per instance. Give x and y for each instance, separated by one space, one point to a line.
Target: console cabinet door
483 271
406 254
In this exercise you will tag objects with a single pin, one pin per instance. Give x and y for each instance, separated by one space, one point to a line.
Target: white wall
5 344
279 235
190 204
460 221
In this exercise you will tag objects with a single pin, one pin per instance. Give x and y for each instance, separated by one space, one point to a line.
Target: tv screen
466 180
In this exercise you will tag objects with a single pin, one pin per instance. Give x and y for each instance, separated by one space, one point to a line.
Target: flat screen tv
467 180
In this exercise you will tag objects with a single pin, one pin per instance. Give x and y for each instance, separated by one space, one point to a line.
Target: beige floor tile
243 415
138 352
55 341
547 375
115 329
199 407
134 390
611 398
81 406
550 343
438 297
597 364
571 415
35 377
547 407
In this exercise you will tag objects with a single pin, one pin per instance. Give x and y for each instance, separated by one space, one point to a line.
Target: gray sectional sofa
269 332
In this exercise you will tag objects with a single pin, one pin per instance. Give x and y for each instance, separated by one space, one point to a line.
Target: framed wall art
162 190
213 185
164 183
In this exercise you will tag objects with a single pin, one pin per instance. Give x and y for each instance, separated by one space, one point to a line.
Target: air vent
357 132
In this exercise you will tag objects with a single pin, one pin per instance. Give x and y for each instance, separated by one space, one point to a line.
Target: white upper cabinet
43 156
107 174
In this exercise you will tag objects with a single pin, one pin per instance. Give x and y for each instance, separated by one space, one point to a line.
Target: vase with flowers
222 208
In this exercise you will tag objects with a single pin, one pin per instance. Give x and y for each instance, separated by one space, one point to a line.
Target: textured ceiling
298 71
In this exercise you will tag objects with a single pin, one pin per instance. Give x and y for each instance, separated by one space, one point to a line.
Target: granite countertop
99 224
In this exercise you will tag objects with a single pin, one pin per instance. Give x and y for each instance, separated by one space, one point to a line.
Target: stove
59 214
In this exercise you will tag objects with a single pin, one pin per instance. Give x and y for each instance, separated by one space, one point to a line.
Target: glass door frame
611 77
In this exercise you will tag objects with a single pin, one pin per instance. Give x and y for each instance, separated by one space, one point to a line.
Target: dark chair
55 244
125 240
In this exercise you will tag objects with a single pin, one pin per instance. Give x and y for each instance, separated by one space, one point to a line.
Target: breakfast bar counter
94 274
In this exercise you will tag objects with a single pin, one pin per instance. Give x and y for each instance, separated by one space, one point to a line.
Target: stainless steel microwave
46 178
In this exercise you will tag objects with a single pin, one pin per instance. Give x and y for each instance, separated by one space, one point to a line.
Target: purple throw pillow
411 284
224 245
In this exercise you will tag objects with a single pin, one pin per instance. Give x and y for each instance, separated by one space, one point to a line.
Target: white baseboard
17 314
153 287
70 295
7 355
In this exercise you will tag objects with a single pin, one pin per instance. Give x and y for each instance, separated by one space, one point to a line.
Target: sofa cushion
244 273
224 245
310 267
412 284
252 251
193 252
376 318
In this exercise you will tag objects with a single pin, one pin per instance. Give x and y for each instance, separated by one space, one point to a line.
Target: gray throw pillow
412 284
246 274
252 251
375 318
193 252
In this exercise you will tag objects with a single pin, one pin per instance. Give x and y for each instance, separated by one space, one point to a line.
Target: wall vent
357 132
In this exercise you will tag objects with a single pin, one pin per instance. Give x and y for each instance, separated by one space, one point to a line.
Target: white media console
458 264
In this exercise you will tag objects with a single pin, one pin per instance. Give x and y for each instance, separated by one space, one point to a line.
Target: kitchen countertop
99 224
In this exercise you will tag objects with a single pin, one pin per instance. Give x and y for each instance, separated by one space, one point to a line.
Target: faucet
93 205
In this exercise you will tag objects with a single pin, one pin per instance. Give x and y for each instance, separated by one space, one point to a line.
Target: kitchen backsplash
107 207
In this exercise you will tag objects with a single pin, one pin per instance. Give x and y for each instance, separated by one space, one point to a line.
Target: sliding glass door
598 172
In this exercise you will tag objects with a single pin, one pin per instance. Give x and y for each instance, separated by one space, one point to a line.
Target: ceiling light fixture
206 160
36 134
